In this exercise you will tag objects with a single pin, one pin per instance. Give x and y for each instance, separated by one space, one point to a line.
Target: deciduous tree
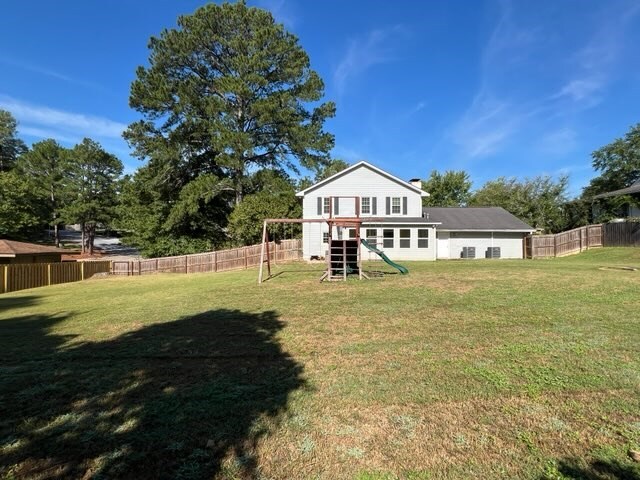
448 189
537 201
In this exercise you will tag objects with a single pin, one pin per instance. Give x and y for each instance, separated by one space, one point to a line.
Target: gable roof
635 188
11 248
355 166
475 218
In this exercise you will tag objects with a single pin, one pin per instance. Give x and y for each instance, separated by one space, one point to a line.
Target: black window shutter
319 205
374 205
404 205
336 206
388 200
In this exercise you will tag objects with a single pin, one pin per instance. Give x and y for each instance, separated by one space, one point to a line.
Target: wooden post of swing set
265 243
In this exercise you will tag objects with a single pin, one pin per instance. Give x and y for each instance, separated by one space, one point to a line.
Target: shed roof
635 188
11 248
475 218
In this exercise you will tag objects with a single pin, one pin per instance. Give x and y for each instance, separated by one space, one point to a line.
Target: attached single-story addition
391 218
478 232
12 252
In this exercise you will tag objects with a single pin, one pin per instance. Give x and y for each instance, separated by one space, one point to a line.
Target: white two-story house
397 223
391 210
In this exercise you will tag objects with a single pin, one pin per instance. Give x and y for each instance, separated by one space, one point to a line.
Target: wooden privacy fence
564 243
622 234
219 261
30 275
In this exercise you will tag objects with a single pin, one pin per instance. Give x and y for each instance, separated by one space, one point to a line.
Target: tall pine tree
226 93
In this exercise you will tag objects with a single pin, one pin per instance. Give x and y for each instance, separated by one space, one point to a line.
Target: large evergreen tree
92 189
226 93
45 168
11 147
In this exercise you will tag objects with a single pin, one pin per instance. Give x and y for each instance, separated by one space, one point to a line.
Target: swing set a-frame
344 255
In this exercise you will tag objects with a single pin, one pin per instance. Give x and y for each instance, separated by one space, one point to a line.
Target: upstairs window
395 206
365 205
326 205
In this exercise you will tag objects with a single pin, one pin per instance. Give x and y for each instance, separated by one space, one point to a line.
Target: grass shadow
184 399
610 469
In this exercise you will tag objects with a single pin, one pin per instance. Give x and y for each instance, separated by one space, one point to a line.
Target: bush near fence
219 261
31 275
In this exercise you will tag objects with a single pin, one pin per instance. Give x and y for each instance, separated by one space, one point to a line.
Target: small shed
12 252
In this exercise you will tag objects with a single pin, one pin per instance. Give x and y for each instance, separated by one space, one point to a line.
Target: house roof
355 166
475 219
11 248
411 220
635 188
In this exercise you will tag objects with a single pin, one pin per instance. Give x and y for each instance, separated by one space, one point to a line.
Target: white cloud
44 133
49 73
61 122
364 52
559 141
515 99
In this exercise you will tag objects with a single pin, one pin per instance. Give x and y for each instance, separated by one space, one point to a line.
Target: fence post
186 267
81 270
156 270
5 276
555 246
275 252
244 251
215 261
139 268
48 274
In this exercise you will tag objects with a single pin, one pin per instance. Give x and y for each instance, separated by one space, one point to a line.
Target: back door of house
442 247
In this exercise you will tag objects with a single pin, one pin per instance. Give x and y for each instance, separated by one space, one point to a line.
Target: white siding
362 182
510 243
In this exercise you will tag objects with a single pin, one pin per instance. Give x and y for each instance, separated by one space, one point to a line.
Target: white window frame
393 206
325 235
368 206
422 240
404 242
326 205
385 239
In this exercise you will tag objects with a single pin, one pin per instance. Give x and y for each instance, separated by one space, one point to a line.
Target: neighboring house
630 209
394 219
482 228
12 252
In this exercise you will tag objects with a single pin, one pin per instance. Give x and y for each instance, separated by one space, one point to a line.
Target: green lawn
485 369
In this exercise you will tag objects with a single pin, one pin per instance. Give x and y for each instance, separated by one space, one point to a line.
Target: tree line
231 113
48 185
542 201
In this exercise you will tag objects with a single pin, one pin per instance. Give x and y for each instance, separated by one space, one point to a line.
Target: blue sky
495 88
